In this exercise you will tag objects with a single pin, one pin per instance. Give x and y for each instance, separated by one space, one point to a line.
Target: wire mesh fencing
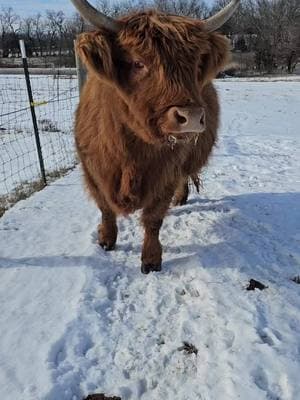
55 98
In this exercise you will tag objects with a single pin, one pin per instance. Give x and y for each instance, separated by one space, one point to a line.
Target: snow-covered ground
75 320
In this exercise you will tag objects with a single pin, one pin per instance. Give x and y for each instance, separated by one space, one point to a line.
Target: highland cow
148 114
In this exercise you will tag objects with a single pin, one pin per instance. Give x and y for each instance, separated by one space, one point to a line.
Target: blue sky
29 7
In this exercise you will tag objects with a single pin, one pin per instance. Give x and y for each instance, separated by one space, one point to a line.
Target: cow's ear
218 56
96 52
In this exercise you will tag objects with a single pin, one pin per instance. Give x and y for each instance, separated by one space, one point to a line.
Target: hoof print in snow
253 284
160 341
188 348
101 397
296 279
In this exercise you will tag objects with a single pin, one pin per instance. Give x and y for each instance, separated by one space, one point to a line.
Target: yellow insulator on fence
38 103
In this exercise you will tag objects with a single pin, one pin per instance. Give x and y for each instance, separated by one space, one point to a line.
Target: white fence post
81 72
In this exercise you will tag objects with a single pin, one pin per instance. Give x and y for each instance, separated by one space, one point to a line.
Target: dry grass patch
26 189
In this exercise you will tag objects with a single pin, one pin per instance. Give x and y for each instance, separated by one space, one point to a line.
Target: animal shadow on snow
257 230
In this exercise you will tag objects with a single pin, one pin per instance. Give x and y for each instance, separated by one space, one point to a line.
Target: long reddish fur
126 161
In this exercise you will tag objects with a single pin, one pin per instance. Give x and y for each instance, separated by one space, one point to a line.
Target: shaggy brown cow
148 114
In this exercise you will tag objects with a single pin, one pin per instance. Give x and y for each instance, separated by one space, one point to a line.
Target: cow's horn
95 17
216 21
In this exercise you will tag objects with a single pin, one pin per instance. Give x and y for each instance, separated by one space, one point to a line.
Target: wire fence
55 98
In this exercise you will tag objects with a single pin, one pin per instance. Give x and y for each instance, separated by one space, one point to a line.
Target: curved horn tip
95 17
216 21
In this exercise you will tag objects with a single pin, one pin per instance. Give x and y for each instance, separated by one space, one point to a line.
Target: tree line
267 32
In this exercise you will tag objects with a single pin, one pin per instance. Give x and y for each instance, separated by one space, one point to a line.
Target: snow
76 320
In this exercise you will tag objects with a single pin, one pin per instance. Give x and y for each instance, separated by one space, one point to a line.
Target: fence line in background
53 101
32 110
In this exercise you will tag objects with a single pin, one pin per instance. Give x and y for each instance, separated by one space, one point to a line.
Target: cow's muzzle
182 120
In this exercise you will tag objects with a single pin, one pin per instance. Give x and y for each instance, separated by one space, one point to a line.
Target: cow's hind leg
152 219
181 192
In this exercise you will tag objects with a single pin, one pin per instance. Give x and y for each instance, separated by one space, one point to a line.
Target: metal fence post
81 72
33 115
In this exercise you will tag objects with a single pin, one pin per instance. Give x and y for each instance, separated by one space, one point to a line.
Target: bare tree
118 8
39 28
190 8
56 28
10 27
267 31
73 27
275 24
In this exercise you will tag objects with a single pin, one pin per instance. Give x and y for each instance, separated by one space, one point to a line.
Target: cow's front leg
107 230
152 250
152 219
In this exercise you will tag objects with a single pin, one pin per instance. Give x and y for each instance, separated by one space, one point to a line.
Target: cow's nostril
202 119
181 119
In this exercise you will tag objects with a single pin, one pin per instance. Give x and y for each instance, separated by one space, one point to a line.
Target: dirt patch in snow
188 348
253 284
101 397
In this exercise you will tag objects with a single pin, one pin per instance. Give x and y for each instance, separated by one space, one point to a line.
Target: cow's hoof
107 246
146 268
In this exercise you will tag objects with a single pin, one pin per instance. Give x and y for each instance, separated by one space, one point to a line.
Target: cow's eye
138 65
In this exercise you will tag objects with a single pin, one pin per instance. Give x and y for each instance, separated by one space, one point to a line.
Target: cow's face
159 65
